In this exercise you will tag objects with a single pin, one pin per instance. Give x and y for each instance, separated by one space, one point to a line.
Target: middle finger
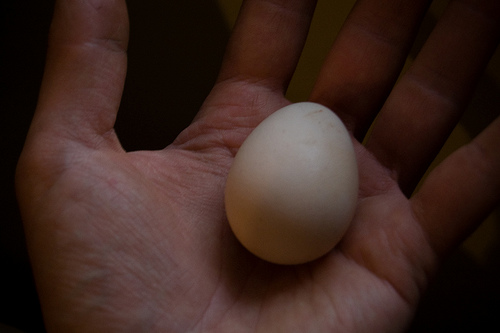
366 59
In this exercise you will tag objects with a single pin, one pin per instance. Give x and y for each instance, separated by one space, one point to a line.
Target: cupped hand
138 241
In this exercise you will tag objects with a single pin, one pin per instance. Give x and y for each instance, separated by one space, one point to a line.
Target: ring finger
426 104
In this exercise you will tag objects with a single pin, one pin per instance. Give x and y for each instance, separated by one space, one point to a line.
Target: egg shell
292 189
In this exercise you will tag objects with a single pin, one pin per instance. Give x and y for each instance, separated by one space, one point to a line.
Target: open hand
138 241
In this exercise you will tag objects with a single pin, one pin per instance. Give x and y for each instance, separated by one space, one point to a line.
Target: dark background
174 55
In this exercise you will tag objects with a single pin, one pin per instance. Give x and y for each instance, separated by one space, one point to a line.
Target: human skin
138 241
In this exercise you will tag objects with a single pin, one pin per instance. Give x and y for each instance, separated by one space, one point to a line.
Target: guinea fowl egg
292 189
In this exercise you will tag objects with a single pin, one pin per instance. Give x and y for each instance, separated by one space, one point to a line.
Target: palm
149 229
139 241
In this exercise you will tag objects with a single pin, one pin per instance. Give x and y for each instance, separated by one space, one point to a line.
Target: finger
461 192
366 59
85 69
267 41
426 104
259 62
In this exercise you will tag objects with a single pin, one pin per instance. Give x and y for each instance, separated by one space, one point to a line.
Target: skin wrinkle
200 322
113 30
388 42
217 129
90 45
427 96
71 164
438 85
102 279
368 164
363 264
244 95
420 215
96 4
114 45
396 245
378 37
393 33
446 87
324 291
318 300
338 321
259 320
259 87
409 293
429 269
348 307
239 299
103 119
441 100
252 42
466 158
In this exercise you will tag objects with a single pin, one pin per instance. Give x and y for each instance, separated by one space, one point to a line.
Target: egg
292 189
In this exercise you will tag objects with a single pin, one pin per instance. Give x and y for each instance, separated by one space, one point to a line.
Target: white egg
292 189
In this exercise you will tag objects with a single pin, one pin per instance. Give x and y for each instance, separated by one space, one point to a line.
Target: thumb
85 70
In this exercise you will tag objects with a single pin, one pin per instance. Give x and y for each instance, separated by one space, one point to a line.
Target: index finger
366 59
